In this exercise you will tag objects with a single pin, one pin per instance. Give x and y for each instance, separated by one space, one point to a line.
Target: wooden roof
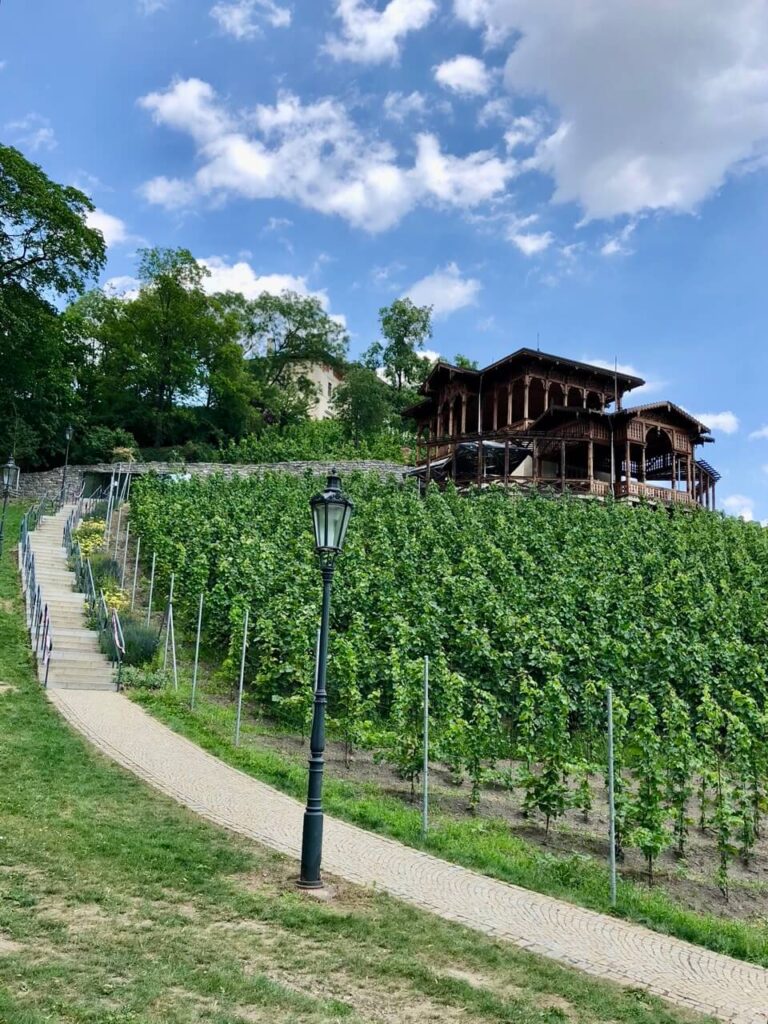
626 381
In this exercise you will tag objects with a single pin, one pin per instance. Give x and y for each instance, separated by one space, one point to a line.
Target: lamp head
331 512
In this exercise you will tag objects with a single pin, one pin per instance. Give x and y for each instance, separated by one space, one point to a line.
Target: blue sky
590 175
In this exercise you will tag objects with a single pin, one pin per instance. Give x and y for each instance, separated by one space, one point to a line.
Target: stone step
75 633
85 657
66 673
55 685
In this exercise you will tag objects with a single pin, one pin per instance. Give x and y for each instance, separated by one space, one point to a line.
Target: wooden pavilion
542 421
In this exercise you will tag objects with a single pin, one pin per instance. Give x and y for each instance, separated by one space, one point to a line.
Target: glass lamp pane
318 518
345 524
335 524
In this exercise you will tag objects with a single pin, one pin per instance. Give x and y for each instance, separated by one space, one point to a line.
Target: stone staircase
76 661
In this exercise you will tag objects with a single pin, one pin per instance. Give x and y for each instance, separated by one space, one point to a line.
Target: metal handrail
37 612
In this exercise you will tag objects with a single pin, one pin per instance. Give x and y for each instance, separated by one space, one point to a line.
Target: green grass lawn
119 907
483 844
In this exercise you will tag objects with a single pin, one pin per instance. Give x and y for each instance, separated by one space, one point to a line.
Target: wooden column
628 458
510 390
688 476
643 467
535 461
429 461
562 465
495 408
463 414
506 461
584 398
451 425
714 498
590 462
525 398
546 394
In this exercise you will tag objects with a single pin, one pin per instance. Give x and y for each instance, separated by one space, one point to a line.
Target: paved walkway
603 946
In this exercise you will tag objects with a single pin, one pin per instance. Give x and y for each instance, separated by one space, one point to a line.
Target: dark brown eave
417 409
626 381
669 407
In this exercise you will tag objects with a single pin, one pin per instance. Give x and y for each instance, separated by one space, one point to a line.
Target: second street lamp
68 434
10 483
331 511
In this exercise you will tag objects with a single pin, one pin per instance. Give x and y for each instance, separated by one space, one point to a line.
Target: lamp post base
302 884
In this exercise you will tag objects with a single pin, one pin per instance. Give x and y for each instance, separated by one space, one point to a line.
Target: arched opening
488 398
456 407
535 398
471 414
502 406
659 457
556 395
518 401
575 398
445 420
594 400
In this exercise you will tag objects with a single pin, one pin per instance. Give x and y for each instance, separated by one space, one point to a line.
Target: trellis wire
425 770
151 587
135 573
197 652
242 676
611 798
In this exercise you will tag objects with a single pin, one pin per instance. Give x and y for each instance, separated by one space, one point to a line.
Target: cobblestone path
600 945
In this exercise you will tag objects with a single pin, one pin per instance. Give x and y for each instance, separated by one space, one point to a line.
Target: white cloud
114 230
465 75
33 132
524 131
657 101
618 244
369 36
531 243
241 18
445 290
152 6
241 277
726 422
741 506
123 286
315 155
759 435
398 106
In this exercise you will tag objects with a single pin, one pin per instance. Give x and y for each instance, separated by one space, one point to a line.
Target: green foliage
98 444
520 606
143 678
647 812
362 404
313 440
405 327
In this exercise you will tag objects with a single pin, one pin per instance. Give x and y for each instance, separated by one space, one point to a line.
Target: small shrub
99 444
115 598
90 536
99 511
140 642
134 678
106 571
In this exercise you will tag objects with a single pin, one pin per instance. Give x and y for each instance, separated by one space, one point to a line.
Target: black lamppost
10 483
68 434
331 511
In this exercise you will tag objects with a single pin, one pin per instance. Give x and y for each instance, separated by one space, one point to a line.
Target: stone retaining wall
35 485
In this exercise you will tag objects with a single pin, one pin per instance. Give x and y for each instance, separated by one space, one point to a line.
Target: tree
46 249
464 362
361 403
405 327
286 334
46 245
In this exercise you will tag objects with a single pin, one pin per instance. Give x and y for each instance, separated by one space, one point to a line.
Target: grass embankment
485 845
118 907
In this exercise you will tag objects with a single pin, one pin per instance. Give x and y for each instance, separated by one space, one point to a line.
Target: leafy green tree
46 250
361 403
286 334
464 362
405 327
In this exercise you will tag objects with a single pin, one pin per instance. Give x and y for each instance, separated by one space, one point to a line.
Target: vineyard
528 608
